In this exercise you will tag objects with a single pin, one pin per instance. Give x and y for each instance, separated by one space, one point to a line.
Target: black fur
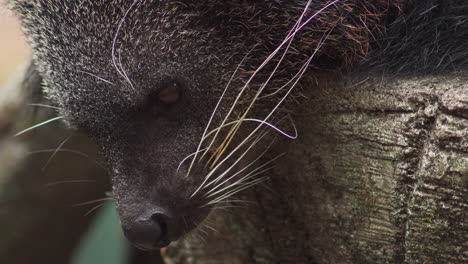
430 38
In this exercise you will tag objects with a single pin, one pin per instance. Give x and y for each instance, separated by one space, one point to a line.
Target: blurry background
40 223
13 49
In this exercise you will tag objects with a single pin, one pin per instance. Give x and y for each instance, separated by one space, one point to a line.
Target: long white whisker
114 59
241 181
55 152
303 69
195 153
46 106
68 181
255 142
234 201
246 176
216 108
203 231
240 171
316 13
233 130
94 208
288 40
38 125
66 150
237 125
60 150
240 188
211 228
93 201
212 171
122 68
265 123
96 76
224 207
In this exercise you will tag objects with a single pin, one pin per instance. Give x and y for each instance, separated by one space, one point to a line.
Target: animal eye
170 93
162 100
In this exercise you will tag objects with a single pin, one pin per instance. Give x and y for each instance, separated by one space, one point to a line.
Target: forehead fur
201 40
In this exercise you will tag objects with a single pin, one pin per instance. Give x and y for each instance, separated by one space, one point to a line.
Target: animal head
177 93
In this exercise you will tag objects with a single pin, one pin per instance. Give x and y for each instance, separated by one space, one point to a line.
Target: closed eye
170 93
166 96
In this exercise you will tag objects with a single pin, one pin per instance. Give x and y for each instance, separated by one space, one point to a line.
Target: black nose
149 232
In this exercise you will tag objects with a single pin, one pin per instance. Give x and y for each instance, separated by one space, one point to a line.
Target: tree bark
379 174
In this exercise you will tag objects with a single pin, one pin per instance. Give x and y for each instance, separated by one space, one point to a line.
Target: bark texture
379 174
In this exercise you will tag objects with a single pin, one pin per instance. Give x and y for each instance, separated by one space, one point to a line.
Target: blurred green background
103 243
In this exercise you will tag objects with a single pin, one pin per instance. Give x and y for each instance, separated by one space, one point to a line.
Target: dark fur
198 44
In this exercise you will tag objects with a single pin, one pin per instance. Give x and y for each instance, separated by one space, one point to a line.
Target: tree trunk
379 174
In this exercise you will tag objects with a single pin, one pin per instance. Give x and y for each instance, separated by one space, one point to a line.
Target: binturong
184 98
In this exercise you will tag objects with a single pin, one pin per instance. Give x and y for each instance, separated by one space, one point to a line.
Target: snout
153 230
157 206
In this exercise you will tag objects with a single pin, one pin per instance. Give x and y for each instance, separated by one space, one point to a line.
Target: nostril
161 219
149 233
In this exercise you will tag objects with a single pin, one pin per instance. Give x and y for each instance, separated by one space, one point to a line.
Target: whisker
185 224
114 42
229 207
259 121
211 228
92 201
213 170
240 171
55 152
66 150
234 129
69 181
224 160
223 146
96 76
46 106
255 142
217 155
240 188
240 181
60 150
248 176
38 125
122 68
302 69
235 201
203 231
316 13
215 109
180 164
93 209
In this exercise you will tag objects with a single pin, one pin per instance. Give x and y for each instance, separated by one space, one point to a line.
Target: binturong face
179 94
143 79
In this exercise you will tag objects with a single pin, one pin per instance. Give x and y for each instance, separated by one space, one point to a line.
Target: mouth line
156 247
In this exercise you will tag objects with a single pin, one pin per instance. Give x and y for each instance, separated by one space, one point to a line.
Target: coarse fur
105 64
